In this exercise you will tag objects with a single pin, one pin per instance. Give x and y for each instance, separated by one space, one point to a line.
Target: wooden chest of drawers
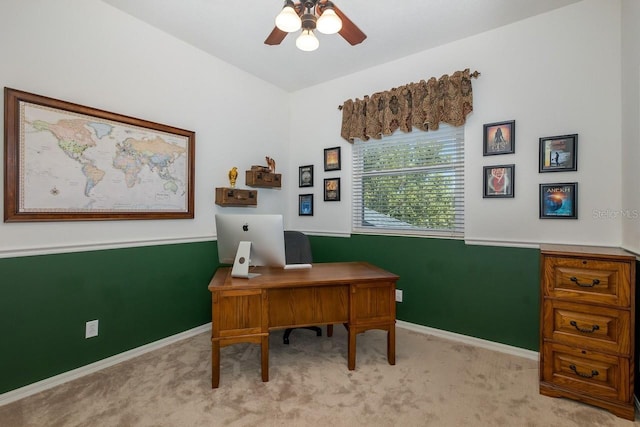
587 326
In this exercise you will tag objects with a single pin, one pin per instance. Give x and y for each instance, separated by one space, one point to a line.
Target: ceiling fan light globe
288 20
329 22
307 41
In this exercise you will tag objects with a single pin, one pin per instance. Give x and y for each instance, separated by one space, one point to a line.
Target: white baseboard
48 383
503 348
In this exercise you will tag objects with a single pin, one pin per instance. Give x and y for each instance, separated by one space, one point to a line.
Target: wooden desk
356 294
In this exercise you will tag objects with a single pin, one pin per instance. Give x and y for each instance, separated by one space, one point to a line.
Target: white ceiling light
288 19
329 22
307 41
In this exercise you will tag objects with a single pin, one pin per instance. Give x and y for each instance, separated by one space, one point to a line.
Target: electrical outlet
91 329
398 295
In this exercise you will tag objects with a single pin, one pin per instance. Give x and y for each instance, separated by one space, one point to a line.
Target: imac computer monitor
250 240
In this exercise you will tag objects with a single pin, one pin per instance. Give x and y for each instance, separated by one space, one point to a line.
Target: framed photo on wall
305 176
332 190
499 138
305 205
332 159
559 200
498 181
558 153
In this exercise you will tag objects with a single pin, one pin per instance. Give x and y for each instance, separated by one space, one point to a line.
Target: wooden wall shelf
236 197
257 178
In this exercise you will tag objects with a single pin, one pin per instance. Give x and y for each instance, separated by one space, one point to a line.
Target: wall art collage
331 186
556 154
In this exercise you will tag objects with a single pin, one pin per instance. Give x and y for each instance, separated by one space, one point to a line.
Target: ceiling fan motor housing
309 21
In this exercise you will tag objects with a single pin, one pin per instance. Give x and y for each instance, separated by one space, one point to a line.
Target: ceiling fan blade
350 31
276 36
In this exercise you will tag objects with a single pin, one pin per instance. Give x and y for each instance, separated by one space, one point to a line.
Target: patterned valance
422 105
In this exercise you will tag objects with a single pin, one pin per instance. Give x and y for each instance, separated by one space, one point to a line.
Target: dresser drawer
582 371
592 327
587 280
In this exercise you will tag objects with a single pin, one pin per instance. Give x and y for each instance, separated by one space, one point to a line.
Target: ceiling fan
310 15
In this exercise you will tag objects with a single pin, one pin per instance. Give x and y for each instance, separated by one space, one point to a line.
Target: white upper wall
631 124
89 53
554 74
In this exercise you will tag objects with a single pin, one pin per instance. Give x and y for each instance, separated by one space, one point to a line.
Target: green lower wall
486 292
141 295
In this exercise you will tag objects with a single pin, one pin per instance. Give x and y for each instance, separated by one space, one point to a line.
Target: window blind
410 183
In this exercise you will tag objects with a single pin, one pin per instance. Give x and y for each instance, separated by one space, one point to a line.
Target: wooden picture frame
558 153
332 159
559 200
332 190
305 176
305 205
68 162
499 138
498 181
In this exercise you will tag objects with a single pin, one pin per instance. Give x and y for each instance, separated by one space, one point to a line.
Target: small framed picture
305 176
499 181
499 138
559 153
332 190
332 159
305 205
559 200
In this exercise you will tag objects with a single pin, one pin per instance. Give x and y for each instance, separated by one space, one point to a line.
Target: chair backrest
297 248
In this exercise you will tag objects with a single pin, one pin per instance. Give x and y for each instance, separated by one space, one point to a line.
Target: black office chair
298 251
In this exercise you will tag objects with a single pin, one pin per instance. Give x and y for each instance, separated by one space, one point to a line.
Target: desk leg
351 350
264 347
215 364
329 330
391 345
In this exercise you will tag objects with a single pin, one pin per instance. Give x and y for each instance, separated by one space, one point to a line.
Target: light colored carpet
435 382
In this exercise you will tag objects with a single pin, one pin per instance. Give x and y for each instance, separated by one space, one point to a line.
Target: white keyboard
296 266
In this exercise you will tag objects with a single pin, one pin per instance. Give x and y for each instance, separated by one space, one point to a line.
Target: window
410 183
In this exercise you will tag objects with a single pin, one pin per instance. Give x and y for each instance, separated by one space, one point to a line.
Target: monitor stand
241 264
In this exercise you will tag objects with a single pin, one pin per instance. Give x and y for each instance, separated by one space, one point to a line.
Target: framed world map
68 162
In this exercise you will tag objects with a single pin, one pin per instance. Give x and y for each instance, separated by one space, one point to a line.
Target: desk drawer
237 312
593 327
582 371
587 280
373 303
308 306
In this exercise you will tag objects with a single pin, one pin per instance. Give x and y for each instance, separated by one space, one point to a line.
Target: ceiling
234 31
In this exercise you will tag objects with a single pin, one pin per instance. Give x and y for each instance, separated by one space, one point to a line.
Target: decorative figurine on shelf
233 175
271 164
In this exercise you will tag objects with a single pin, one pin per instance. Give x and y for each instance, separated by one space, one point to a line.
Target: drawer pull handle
582 285
580 374
585 330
